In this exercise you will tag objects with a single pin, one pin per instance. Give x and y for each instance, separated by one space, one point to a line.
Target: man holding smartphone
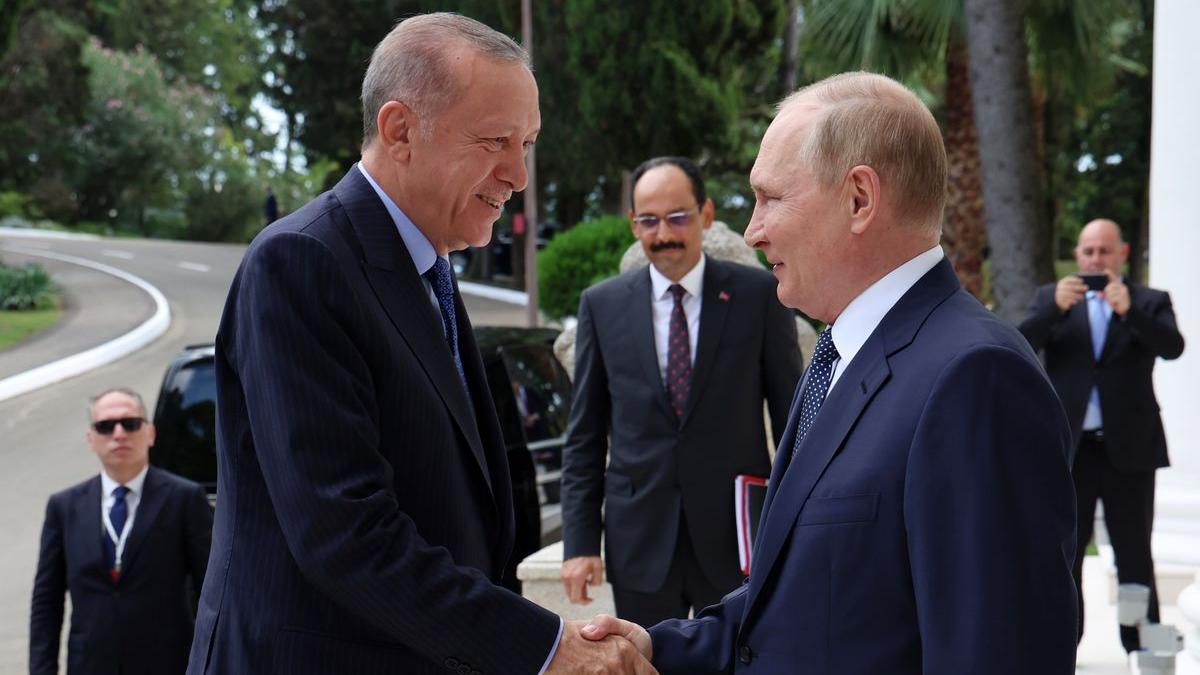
1100 335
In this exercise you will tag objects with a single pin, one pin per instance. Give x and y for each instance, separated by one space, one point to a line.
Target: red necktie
679 355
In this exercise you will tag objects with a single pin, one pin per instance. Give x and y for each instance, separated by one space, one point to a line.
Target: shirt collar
692 282
422 252
107 484
865 312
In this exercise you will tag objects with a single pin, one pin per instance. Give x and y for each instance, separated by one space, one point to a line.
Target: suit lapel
393 278
845 403
88 513
713 310
843 406
154 495
641 331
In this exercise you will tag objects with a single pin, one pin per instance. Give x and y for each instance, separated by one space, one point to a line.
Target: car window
541 391
186 422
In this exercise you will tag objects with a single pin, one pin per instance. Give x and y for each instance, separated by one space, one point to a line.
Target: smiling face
123 453
673 249
800 224
460 172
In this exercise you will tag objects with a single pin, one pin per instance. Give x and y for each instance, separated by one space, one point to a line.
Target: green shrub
16 204
577 258
27 287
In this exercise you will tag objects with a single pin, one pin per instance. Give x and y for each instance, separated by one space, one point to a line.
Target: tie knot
120 491
825 351
677 291
439 274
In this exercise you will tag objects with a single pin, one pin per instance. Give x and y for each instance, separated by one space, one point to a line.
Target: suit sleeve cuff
554 649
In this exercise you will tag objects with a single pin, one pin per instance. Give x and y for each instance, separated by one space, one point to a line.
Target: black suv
531 391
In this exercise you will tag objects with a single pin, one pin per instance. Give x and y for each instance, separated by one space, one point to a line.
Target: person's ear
862 186
397 126
706 213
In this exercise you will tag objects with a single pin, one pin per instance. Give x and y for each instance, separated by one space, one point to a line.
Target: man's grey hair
410 65
117 390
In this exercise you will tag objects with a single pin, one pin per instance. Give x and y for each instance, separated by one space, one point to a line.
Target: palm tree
922 43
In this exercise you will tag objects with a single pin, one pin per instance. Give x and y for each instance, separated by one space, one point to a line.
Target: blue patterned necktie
117 516
820 371
442 281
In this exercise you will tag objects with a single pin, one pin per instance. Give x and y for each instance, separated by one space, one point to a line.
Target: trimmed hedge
576 258
26 287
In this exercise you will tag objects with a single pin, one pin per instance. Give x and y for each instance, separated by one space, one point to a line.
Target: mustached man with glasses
672 365
130 546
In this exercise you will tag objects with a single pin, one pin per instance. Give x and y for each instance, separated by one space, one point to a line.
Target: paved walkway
1100 652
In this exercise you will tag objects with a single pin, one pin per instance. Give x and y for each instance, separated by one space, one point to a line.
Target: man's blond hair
869 119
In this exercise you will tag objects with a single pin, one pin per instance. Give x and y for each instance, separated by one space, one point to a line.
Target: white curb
110 351
44 234
492 293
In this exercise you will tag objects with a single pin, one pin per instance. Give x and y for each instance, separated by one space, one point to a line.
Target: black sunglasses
105 427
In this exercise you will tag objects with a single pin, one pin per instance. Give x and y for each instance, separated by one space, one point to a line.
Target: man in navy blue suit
130 547
365 515
920 513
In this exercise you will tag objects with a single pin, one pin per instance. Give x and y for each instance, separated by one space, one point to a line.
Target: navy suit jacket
364 507
1133 432
926 524
656 466
142 624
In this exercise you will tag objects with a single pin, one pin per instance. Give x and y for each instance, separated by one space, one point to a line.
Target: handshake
605 644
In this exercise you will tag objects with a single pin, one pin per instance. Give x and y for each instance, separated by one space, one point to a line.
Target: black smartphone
1095 282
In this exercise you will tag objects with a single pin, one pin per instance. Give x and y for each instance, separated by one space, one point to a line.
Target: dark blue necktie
116 515
442 280
820 371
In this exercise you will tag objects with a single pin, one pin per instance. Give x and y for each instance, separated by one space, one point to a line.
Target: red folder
749 494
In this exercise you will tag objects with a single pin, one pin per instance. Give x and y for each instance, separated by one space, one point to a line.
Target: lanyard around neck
119 546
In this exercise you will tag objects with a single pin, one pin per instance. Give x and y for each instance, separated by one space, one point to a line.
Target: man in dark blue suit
364 512
919 515
130 546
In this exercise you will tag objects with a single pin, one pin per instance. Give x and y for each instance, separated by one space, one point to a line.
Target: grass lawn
18 325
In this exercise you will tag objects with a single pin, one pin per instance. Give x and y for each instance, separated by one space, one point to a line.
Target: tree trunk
962 228
1012 193
790 68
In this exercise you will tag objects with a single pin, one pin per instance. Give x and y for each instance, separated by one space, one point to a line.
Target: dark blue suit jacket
926 525
141 625
364 507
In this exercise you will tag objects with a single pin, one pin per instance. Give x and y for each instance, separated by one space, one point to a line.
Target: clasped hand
603 645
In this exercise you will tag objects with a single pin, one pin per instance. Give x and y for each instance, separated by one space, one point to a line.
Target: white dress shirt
862 316
132 499
662 303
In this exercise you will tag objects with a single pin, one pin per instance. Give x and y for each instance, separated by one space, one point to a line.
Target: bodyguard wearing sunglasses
131 546
674 362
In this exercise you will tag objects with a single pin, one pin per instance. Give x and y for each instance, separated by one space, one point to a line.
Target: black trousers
1128 515
686 588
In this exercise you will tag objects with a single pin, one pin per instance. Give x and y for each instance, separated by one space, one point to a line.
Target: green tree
42 82
661 77
921 42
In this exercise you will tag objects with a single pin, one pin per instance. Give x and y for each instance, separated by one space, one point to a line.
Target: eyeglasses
106 427
650 221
